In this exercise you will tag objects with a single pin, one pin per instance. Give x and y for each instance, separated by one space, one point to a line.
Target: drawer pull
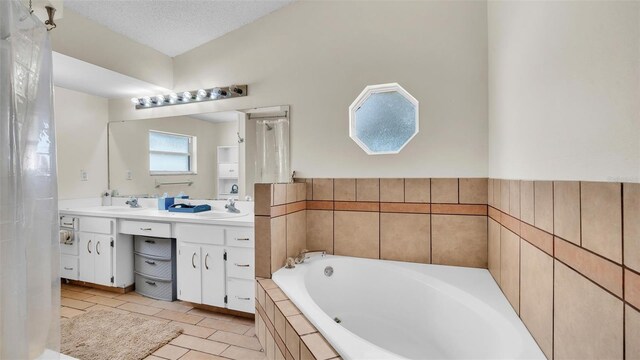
68 268
242 265
243 239
193 260
152 283
206 265
148 229
243 298
150 262
89 246
67 224
149 241
98 247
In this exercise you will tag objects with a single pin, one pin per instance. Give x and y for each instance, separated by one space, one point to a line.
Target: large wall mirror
206 156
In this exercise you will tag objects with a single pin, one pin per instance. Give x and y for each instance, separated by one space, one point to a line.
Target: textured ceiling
173 26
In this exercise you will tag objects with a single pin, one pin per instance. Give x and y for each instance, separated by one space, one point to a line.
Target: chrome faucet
303 255
133 202
231 206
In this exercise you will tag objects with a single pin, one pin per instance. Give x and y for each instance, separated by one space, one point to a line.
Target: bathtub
378 309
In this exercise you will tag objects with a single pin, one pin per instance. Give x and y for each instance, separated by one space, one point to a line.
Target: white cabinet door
189 275
213 276
103 260
87 247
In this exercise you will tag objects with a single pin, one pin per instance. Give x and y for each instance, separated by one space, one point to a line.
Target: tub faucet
133 202
303 255
231 206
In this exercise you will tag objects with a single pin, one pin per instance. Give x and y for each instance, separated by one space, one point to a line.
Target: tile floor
207 335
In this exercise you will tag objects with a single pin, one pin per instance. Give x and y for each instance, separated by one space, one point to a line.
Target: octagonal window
383 119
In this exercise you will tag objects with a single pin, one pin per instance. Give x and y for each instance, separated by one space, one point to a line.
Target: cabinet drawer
145 228
160 269
241 295
155 247
69 267
70 249
96 225
203 234
240 263
228 170
155 288
68 222
242 237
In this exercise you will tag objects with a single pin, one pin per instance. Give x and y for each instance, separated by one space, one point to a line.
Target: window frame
191 154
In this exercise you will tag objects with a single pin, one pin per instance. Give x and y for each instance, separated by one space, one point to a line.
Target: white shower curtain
272 148
29 248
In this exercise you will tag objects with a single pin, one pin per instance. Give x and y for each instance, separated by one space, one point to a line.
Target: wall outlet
129 175
84 176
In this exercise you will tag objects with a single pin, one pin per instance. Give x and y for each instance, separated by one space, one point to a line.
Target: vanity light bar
190 97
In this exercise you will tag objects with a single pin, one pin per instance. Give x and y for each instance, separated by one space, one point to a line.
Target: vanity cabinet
216 266
96 258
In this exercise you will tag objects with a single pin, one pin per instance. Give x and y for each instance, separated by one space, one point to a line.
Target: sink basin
119 209
219 215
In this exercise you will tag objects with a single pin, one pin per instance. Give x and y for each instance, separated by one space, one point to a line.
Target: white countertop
217 216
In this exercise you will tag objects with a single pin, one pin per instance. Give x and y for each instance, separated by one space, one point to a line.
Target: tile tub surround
439 221
283 331
566 254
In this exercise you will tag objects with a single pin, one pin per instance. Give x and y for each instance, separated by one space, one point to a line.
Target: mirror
197 155
383 119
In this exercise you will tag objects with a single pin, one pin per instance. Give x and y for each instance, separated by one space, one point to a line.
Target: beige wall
564 90
81 137
318 56
129 150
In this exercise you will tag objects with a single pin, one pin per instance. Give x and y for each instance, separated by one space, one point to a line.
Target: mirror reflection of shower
272 144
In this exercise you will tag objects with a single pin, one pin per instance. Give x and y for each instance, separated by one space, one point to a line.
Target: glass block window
383 119
171 153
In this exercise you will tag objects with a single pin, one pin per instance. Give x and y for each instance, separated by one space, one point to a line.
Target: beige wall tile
309 188
566 210
504 196
543 205
526 202
319 347
296 192
497 193
632 288
494 249
292 341
263 246
320 230
279 194
602 218
444 191
368 189
344 189
510 267
405 237
356 234
490 192
262 199
587 320
296 233
536 295
417 190
514 198
459 240
632 333
632 225
278 243
473 191
392 190
322 189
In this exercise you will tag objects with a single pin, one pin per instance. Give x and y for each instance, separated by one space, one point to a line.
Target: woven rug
106 335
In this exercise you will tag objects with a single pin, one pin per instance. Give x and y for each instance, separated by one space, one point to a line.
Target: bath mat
106 335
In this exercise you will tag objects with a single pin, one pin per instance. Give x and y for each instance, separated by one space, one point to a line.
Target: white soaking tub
377 309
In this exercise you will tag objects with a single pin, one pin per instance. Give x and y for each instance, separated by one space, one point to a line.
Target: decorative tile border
283 331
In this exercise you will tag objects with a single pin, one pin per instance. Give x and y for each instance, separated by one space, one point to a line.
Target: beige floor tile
170 352
107 308
249 342
74 287
197 355
224 325
138 308
74 294
234 352
196 343
105 301
70 312
194 330
173 306
243 320
103 293
135 298
210 314
151 357
251 331
178 316
76 304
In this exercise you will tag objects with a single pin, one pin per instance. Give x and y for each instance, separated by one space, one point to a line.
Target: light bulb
135 101
186 96
159 99
173 97
217 92
146 101
201 94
